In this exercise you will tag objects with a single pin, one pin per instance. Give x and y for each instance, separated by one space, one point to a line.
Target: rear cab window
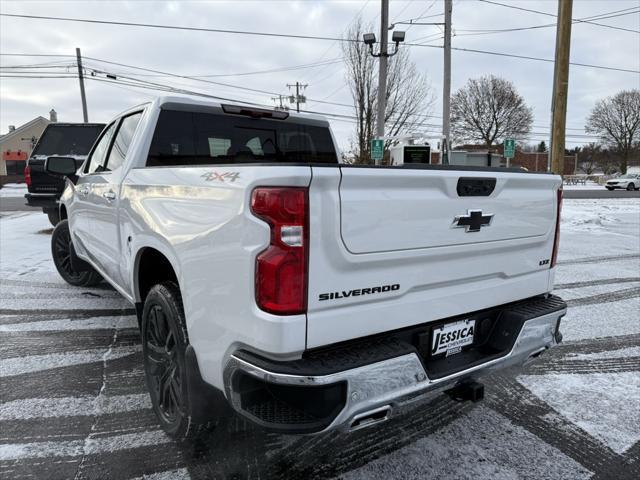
198 138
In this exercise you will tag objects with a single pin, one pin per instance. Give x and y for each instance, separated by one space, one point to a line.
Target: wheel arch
63 212
152 266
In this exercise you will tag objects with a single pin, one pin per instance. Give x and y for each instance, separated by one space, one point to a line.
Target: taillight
281 269
27 175
556 240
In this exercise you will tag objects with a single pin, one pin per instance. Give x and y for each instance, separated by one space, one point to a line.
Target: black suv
65 139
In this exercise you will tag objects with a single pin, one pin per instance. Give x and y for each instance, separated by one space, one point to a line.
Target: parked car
67 139
306 294
629 181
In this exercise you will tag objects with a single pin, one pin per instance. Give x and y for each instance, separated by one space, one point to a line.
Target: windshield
67 140
194 138
628 175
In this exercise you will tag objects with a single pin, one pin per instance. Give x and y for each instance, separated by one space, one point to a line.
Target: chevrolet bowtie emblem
473 221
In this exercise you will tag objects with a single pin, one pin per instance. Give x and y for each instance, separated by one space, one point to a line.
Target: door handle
84 191
110 196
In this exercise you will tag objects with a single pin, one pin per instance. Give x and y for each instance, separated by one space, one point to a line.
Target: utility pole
446 84
382 73
282 107
560 86
298 98
82 94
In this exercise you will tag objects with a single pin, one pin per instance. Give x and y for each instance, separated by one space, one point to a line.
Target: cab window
99 153
122 141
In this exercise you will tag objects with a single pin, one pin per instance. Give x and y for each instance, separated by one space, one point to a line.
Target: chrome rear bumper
381 388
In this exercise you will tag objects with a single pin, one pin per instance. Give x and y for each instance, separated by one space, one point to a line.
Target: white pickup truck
306 294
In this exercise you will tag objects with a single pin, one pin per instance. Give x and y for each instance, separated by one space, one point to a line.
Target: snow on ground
505 452
599 227
26 247
37 363
602 320
607 405
618 353
82 447
598 273
13 190
72 406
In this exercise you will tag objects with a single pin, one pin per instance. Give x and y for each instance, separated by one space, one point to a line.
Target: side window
173 140
122 141
98 156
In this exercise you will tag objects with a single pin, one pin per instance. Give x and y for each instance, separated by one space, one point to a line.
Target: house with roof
16 145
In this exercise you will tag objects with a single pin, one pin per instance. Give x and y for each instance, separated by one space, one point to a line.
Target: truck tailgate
390 212
395 247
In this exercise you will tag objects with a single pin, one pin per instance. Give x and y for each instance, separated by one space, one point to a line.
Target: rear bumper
42 200
374 391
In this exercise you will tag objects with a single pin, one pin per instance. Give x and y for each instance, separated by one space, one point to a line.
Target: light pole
383 54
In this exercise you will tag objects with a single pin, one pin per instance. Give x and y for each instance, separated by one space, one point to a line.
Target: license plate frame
451 337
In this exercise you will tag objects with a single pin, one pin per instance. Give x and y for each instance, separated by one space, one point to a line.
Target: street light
370 39
397 37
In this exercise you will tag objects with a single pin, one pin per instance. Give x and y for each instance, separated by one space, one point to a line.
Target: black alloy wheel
61 252
164 370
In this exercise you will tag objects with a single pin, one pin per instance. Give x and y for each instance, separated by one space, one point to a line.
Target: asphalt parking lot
73 403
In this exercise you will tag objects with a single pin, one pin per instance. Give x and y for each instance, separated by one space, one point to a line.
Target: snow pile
599 214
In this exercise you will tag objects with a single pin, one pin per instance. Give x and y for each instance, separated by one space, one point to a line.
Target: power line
468 32
304 37
555 16
525 57
175 27
169 74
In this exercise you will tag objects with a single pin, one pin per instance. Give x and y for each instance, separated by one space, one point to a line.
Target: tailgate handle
475 187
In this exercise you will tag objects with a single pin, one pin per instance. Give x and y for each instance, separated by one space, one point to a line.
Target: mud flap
77 263
206 403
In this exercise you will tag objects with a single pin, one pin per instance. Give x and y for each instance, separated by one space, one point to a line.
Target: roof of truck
174 99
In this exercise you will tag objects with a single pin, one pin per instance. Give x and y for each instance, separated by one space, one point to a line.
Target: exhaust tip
371 417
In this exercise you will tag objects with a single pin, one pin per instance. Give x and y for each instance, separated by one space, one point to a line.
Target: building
532 161
16 145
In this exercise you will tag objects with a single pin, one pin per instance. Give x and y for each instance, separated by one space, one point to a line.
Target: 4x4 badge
473 221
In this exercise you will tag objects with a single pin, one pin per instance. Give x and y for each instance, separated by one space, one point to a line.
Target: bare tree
360 75
608 163
409 94
590 157
617 120
488 110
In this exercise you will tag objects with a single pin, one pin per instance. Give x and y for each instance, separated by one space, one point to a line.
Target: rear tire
54 217
631 187
164 343
61 252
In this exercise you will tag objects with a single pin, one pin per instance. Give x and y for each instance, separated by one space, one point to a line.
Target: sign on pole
377 149
509 148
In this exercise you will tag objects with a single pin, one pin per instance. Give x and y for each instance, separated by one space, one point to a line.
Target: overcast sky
205 53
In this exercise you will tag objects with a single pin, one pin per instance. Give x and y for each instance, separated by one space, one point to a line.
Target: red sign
14 155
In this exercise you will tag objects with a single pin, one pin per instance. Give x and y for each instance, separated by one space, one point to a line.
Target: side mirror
65 166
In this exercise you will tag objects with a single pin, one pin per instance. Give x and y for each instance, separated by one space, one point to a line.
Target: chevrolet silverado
306 294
